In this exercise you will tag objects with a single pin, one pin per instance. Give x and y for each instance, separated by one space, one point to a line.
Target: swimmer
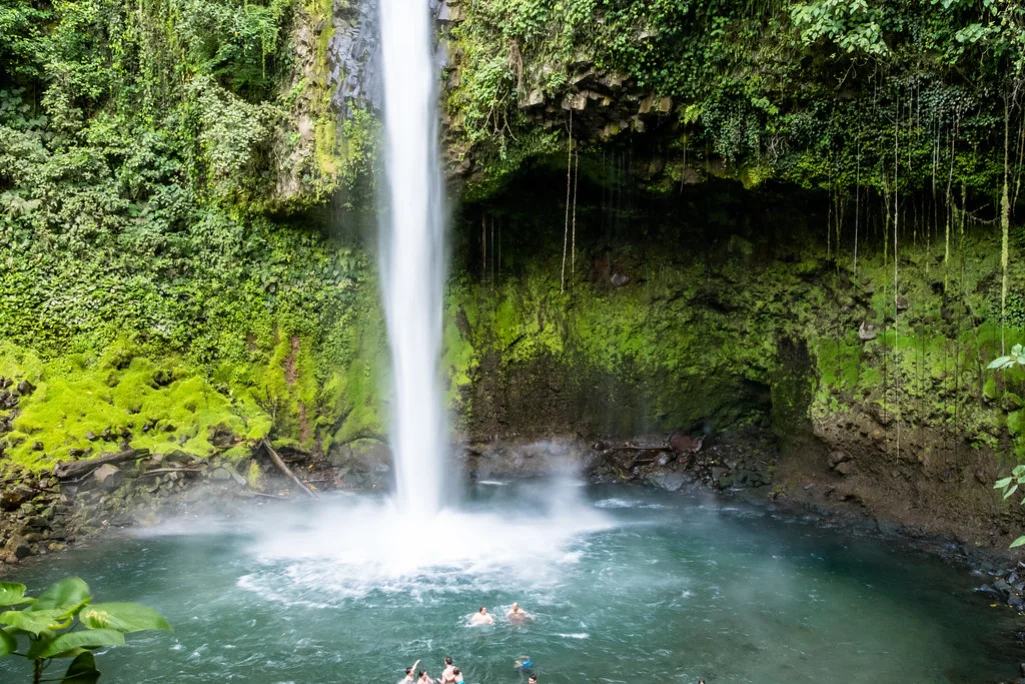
458 674
524 663
425 678
517 615
408 679
448 675
482 617
532 679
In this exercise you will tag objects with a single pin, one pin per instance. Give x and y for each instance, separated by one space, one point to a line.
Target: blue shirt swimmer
524 663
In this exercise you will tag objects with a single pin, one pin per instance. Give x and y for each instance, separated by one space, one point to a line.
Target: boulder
845 468
12 499
685 444
108 475
670 482
838 457
220 474
16 549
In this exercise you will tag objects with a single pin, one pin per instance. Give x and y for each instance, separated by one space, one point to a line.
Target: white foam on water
626 503
346 549
614 503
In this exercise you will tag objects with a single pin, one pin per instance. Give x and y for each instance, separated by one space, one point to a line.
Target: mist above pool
626 584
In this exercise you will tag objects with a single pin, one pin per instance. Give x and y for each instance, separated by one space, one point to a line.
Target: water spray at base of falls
413 254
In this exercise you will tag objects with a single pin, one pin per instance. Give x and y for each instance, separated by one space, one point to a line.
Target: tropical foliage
63 623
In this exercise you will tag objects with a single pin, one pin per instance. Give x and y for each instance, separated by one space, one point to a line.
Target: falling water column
412 253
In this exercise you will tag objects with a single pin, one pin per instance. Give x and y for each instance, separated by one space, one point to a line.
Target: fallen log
285 469
69 470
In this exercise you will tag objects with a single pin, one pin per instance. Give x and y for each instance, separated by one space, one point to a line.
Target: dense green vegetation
172 175
64 623
148 153
831 94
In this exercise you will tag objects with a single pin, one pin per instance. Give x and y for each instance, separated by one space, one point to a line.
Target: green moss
162 407
254 476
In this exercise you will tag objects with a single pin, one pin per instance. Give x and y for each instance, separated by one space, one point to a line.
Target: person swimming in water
408 679
532 679
524 663
448 674
458 674
517 615
482 617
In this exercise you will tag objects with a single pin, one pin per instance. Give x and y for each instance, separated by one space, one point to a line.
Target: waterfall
412 253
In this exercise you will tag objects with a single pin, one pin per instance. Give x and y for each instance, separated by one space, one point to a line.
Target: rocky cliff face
781 241
724 312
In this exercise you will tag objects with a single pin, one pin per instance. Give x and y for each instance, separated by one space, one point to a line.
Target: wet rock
26 388
718 473
108 475
670 482
12 499
867 331
221 436
16 549
220 474
37 523
838 457
37 446
685 444
846 468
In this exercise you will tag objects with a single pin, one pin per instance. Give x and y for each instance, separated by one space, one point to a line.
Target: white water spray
412 254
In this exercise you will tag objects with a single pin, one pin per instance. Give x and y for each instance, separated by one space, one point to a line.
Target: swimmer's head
516 606
456 671
448 660
483 610
409 671
533 678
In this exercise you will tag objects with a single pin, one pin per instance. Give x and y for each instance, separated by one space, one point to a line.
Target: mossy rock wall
719 309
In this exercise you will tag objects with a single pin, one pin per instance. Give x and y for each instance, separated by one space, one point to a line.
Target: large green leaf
8 644
124 617
35 621
90 638
67 595
13 594
82 670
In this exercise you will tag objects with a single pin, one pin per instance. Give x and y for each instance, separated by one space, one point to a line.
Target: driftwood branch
161 471
285 469
69 470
